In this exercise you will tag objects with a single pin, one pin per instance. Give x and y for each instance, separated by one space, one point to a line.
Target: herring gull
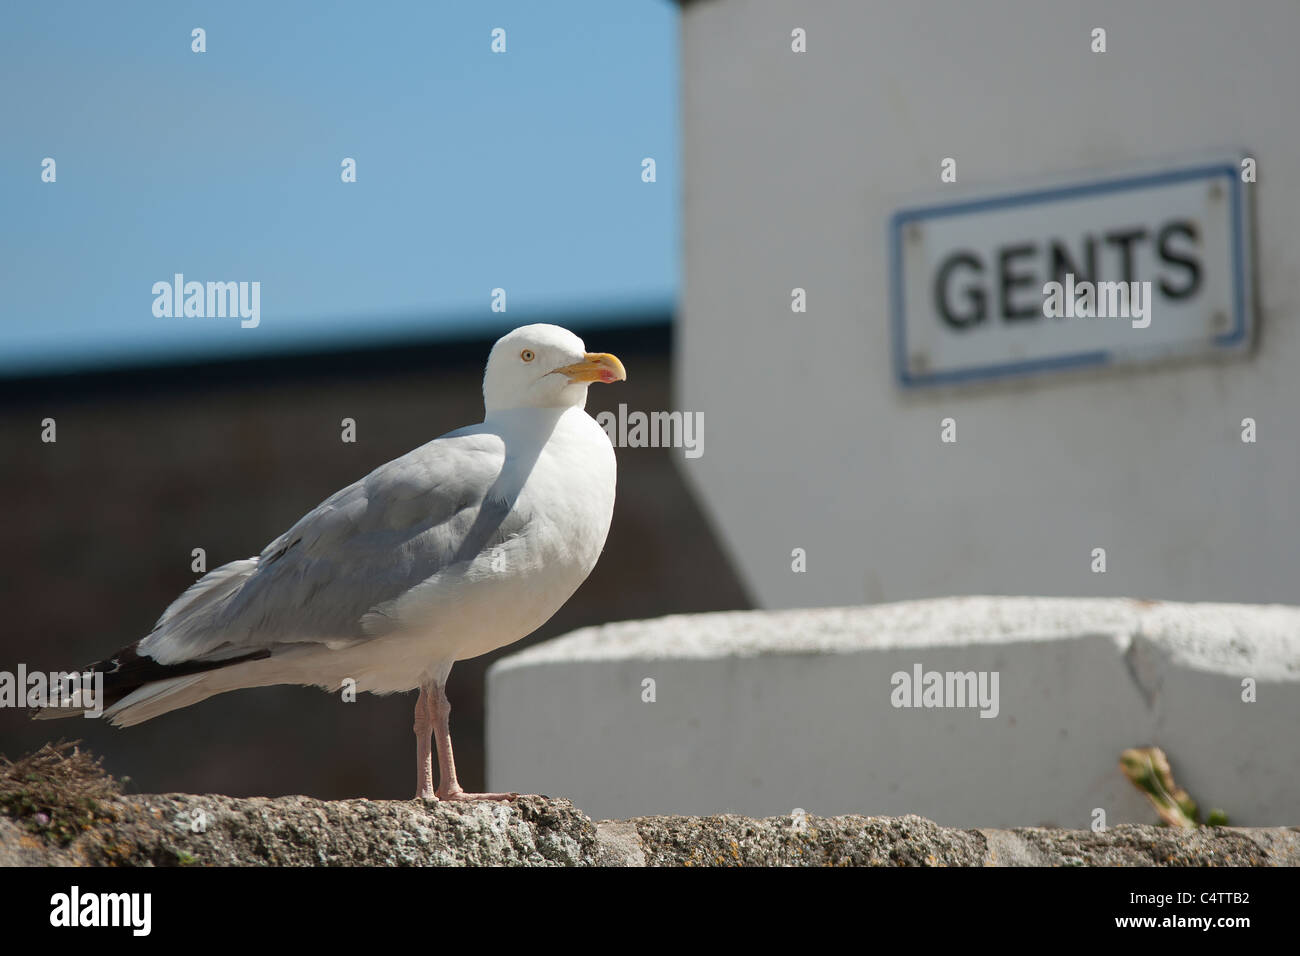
466 544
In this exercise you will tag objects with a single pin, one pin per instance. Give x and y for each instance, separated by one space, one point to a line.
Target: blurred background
755 205
475 171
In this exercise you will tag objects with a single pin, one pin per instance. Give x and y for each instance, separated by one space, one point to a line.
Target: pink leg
424 720
449 788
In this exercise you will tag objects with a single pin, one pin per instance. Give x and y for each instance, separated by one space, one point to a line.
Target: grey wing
366 545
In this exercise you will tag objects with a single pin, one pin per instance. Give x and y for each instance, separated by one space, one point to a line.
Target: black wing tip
128 670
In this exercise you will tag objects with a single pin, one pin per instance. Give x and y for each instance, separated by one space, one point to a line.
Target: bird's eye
527 355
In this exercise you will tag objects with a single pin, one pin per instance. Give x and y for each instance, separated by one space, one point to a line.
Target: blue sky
475 171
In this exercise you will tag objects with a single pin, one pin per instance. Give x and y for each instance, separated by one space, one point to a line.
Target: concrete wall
793 165
762 712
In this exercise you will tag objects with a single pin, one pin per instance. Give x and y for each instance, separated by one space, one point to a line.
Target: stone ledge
186 830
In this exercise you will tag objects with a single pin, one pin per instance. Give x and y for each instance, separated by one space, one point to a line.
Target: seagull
466 544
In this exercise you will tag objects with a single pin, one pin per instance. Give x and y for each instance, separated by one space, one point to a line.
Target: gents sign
1129 268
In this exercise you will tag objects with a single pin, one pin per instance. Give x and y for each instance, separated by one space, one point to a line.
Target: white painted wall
760 712
793 164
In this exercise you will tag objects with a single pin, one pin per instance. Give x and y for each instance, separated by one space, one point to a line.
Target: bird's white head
544 366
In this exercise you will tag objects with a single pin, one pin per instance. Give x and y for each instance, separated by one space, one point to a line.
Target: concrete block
761 712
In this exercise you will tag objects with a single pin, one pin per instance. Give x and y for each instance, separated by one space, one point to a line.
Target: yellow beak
595 367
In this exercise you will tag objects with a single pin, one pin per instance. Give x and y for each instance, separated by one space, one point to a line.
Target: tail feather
136 685
157 698
131 679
